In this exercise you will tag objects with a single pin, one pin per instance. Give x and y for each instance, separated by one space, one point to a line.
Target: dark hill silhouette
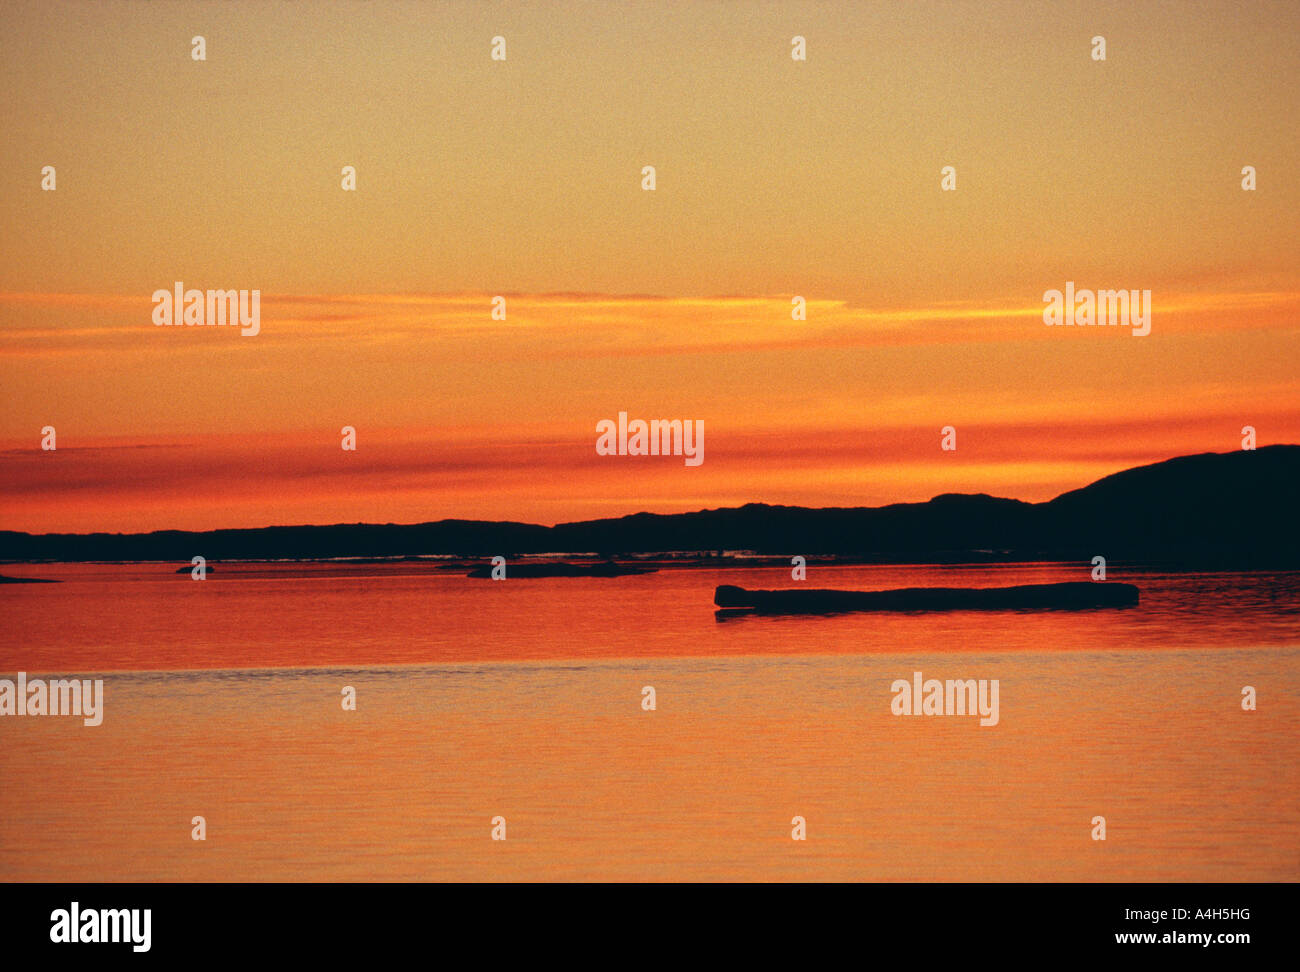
1232 509
1235 503
948 523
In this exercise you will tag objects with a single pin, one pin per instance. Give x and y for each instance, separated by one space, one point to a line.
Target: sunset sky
522 178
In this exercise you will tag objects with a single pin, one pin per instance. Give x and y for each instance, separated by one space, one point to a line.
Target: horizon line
623 516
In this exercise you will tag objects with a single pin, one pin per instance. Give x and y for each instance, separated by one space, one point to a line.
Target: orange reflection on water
536 717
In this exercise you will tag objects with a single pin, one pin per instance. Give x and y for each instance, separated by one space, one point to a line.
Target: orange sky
478 178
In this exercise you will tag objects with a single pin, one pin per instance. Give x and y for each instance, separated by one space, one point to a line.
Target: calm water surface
522 699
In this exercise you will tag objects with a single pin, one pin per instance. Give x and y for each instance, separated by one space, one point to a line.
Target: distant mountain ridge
1232 509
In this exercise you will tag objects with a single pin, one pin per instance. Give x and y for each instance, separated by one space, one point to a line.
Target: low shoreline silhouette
1231 510
1064 596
